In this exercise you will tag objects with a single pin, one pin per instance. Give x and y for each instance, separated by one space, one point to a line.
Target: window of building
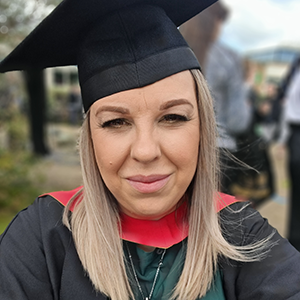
73 78
58 77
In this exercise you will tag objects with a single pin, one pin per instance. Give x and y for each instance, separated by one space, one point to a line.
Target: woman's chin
148 213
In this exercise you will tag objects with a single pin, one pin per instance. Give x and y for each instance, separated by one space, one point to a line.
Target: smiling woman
148 222
146 144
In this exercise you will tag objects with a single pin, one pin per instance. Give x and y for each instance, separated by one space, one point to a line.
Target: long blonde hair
95 219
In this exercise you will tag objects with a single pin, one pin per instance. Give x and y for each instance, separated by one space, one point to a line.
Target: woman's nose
146 146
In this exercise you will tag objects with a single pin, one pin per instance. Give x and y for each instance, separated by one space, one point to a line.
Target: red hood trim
63 197
162 233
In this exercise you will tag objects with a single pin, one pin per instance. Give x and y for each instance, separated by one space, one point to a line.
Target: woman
145 223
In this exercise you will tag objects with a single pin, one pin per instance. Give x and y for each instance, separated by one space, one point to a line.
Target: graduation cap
117 44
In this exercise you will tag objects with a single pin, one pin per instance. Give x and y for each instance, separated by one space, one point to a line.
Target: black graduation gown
38 259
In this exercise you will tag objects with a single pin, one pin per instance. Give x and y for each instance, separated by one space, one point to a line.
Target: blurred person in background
254 181
290 136
268 110
230 90
223 69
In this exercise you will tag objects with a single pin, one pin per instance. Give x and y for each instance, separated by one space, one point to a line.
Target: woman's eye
116 123
174 118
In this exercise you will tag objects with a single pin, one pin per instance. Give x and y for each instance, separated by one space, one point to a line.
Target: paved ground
276 210
62 170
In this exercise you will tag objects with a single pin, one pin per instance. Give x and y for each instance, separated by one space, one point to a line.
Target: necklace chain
156 274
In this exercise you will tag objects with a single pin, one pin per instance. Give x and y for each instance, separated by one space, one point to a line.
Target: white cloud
261 23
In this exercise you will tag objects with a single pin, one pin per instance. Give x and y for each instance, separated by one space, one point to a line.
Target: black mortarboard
116 44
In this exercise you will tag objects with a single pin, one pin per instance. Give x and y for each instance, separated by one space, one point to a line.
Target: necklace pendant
146 298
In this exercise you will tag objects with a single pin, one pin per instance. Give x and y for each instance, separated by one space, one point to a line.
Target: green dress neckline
146 263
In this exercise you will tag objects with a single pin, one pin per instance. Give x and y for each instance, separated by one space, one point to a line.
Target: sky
259 24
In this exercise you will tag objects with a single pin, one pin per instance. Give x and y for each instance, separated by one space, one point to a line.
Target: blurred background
41 113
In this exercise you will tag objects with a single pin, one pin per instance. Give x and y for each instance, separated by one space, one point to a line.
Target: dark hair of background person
200 31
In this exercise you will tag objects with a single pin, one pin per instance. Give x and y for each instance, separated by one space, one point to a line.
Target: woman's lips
148 184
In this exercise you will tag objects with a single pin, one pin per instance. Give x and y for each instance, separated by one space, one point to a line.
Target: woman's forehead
173 90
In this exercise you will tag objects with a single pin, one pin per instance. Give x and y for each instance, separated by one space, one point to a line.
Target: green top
146 263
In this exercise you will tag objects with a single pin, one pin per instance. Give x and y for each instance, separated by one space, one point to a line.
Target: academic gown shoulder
38 259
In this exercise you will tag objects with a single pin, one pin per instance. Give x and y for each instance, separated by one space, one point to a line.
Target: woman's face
146 144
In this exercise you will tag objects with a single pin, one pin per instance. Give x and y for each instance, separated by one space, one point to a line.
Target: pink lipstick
148 184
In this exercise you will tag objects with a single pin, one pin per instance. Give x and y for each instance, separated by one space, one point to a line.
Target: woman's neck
146 248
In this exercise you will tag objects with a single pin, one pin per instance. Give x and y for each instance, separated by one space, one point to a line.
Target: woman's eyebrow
175 102
117 109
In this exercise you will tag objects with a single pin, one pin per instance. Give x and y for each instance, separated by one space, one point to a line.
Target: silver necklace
156 274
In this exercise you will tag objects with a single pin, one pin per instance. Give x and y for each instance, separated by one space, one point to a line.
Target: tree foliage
19 17
16 188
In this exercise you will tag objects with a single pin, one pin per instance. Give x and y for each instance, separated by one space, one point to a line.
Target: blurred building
271 64
61 77
60 82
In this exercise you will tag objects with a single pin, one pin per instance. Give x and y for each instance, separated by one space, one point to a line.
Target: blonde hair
95 219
